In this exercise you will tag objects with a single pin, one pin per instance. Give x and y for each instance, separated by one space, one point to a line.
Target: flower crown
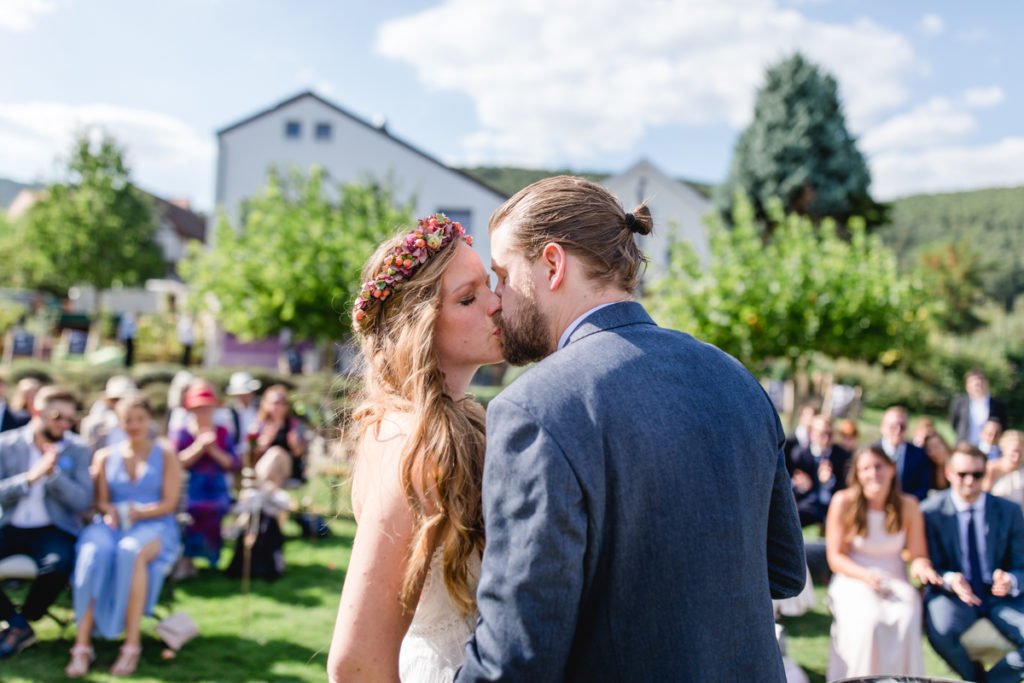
431 235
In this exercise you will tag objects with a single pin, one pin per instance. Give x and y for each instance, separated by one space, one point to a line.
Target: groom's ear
553 257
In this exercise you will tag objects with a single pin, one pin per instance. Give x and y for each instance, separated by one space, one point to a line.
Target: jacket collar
609 317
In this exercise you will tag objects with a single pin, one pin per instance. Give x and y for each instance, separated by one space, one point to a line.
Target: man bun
639 220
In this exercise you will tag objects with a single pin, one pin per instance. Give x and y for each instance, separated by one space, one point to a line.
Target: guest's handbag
177 629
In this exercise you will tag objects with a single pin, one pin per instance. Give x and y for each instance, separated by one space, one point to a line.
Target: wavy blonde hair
442 464
856 518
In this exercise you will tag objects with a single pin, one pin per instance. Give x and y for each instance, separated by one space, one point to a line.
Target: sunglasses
976 474
57 415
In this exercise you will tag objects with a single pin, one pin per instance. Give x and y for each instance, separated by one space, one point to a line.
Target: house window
292 130
323 131
464 216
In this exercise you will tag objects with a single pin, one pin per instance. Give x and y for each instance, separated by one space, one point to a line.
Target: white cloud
567 78
932 24
20 15
936 122
162 151
980 98
946 168
933 122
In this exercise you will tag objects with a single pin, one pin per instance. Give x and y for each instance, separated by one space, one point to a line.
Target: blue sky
933 89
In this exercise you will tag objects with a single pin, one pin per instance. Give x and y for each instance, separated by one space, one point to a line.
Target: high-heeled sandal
82 657
127 660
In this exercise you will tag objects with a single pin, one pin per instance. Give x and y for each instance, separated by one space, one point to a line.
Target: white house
307 130
678 211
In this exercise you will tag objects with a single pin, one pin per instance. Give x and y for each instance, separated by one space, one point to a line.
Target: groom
638 512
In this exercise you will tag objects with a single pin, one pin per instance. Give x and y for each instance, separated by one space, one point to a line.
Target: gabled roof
379 130
649 168
187 223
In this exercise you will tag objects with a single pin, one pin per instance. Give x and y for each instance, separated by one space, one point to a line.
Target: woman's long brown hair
442 464
856 518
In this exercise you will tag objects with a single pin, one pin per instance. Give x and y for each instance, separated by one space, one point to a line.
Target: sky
934 91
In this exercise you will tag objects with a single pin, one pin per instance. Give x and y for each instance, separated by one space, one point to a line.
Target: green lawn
278 632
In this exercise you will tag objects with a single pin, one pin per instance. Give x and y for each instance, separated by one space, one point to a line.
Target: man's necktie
974 557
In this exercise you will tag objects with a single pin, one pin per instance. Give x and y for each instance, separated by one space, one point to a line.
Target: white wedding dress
433 648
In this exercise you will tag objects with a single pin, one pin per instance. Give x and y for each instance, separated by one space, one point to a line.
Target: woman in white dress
424 318
1004 476
876 627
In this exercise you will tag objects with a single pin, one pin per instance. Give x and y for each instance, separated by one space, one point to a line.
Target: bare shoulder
376 477
841 499
910 504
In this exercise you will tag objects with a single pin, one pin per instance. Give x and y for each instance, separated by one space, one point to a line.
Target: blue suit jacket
638 512
915 470
1004 536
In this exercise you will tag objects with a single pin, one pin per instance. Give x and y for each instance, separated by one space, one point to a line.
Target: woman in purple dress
206 451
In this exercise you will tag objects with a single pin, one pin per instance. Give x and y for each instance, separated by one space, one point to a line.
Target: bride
424 318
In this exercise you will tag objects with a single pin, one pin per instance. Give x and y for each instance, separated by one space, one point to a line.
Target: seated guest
1004 477
817 470
9 418
801 435
988 442
44 490
937 450
915 470
276 433
976 542
24 397
124 556
877 612
205 450
101 427
923 428
848 435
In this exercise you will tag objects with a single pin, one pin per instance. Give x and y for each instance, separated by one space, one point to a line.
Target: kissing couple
625 515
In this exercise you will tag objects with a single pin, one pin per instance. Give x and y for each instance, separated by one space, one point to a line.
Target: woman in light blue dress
124 556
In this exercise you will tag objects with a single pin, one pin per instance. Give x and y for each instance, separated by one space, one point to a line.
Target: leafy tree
296 261
806 291
798 149
93 226
952 273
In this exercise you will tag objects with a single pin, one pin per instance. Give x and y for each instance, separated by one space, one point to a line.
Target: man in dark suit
9 419
970 411
976 542
916 472
817 471
638 511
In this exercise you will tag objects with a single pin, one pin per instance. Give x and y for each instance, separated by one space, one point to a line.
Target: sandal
82 657
127 660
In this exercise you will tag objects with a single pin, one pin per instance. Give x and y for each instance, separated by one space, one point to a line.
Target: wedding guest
1004 477
24 397
127 328
988 440
177 416
938 451
278 432
976 541
817 470
970 411
205 450
9 419
101 427
44 490
877 612
801 434
923 428
242 409
848 435
916 472
124 556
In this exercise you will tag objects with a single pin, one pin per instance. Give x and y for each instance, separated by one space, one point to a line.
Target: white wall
354 153
676 209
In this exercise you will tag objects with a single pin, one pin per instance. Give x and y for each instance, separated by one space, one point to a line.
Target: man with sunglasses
44 489
976 541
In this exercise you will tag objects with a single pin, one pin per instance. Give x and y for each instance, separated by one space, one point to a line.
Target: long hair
856 518
263 412
442 464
